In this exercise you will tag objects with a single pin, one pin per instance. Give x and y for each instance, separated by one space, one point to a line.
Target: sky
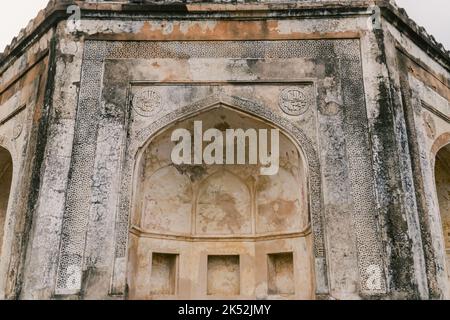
432 14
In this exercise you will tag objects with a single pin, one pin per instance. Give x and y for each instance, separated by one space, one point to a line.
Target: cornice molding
143 9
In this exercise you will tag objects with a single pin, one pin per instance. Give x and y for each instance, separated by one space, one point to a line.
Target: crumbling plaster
397 221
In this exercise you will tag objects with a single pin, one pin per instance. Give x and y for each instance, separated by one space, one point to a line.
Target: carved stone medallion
17 131
146 102
294 101
18 125
430 126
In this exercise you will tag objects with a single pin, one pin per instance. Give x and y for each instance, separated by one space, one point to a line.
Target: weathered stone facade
92 207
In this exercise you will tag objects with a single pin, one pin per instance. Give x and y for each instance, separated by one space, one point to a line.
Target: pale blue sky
434 15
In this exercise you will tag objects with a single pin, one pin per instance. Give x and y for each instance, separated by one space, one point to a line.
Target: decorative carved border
90 109
304 144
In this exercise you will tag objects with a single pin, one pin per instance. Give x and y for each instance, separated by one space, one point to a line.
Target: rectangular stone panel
281 273
163 274
223 275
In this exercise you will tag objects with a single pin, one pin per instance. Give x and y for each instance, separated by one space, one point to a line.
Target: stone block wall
96 208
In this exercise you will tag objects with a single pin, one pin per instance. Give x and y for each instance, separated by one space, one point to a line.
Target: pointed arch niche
6 172
220 231
442 178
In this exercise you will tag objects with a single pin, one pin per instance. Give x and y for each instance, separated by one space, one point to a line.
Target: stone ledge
56 11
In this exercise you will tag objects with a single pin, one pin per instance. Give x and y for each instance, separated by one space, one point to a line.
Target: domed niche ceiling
202 231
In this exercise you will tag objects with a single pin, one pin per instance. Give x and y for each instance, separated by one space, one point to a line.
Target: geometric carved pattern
78 190
251 108
90 107
361 177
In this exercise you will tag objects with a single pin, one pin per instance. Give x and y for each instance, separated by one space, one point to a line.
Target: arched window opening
442 176
6 170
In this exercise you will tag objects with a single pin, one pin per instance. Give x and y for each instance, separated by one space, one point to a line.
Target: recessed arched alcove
442 177
220 230
6 171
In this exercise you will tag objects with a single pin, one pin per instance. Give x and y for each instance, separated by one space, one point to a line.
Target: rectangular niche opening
281 273
163 274
223 278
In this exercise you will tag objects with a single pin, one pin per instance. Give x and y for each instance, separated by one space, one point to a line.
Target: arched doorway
6 170
442 176
220 231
